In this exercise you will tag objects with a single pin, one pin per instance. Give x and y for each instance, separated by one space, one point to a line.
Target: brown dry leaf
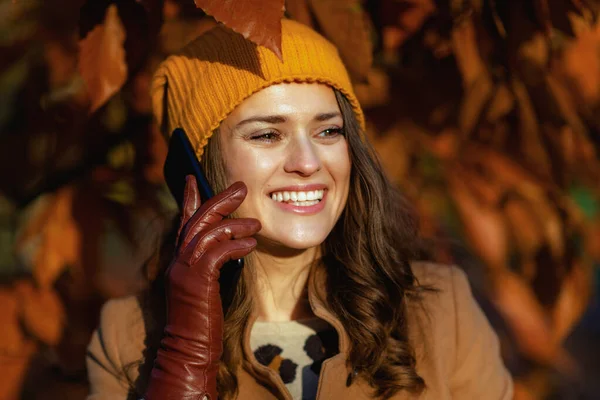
580 61
573 300
477 81
511 175
12 341
542 10
526 317
483 225
299 10
375 91
532 58
345 24
15 349
257 20
43 314
176 33
157 152
524 226
564 100
402 18
393 150
500 105
52 236
102 59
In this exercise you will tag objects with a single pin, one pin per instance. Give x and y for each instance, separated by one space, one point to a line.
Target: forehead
293 100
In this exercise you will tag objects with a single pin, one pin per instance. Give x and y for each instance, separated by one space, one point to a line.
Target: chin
298 241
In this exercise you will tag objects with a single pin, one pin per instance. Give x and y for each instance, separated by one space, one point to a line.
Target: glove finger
231 229
226 251
191 202
214 210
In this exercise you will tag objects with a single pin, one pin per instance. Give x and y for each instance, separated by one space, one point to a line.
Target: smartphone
182 161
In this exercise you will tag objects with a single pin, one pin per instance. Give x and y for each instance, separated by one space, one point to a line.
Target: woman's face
286 144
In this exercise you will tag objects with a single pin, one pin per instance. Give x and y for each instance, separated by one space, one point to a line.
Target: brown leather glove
188 360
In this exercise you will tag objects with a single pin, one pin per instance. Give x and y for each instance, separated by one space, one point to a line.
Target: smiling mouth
305 198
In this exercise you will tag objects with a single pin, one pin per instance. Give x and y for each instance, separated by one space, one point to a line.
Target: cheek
254 168
247 165
340 165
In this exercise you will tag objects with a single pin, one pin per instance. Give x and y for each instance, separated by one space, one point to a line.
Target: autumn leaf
402 18
579 64
483 225
257 20
572 300
344 23
477 80
528 321
15 348
154 13
102 59
51 238
42 314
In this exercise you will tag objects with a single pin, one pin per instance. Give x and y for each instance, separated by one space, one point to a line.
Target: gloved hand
188 360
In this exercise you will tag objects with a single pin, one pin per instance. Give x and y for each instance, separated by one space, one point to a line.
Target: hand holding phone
187 361
182 161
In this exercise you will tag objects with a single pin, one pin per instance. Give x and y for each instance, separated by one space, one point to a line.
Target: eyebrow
279 119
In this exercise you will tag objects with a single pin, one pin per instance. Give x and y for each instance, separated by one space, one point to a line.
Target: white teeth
305 203
310 196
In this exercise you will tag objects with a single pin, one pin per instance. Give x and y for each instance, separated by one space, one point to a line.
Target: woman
329 305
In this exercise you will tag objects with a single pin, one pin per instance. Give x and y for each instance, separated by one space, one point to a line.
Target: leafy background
484 112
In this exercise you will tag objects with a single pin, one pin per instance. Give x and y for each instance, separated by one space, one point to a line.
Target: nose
303 157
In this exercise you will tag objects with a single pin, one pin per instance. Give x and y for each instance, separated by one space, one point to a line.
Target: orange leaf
524 226
579 65
15 349
345 24
572 300
102 59
51 239
300 11
402 18
526 317
477 80
43 314
257 20
483 225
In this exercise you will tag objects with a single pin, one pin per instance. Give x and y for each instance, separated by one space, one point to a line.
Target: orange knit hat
199 86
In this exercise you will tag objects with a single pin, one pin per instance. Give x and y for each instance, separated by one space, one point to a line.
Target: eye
265 137
332 132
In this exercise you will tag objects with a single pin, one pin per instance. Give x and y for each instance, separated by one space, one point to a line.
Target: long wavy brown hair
368 282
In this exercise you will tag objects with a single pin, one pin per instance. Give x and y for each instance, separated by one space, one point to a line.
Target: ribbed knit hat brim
198 87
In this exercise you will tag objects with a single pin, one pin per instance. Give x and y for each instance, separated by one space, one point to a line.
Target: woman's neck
281 284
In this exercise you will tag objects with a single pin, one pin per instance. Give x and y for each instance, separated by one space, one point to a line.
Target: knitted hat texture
196 88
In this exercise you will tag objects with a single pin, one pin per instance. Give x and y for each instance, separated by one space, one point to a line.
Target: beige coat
456 349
